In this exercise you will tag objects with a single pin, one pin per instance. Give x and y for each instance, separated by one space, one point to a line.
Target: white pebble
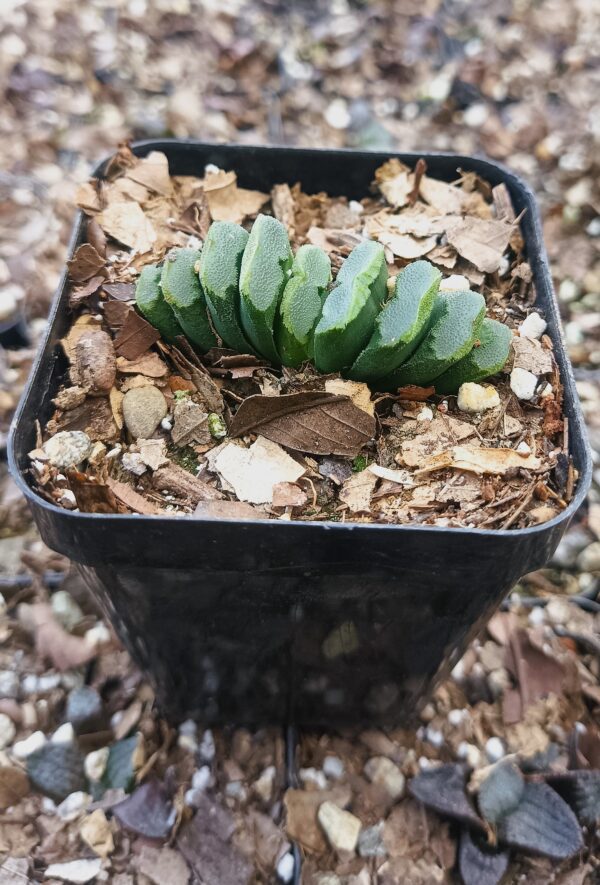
533 326
523 383
494 749
313 776
454 283
48 806
71 807
65 609
474 398
356 207
568 290
470 753
455 717
333 767
523 449
133 463
537 616
426 414
337 114
285 867
211 169
476 115
202 779
434 737
64 734
95 764
98 636
7 731
207 746
23 749
166 424
187 742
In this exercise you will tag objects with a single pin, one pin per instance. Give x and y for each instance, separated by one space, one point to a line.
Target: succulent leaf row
250 290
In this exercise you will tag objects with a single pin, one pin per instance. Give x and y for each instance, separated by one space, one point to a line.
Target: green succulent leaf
151 303
482 361
301 305
455 326
351 308
220 264
402 323
182 290
264 272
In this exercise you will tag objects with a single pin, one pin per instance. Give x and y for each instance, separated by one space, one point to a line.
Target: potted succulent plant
321 370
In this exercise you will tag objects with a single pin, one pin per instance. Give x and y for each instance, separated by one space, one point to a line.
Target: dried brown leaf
135 337
481 241
85 263
314 422
127 223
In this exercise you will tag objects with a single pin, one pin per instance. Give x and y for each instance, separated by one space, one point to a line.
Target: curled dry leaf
153 173
227 201
481 241
358 392
406 246
85 263
126 223
395 181
136 336
316 422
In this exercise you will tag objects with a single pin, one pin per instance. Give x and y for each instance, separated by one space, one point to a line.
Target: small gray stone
84 710
68 448
370 841
143 410
56 770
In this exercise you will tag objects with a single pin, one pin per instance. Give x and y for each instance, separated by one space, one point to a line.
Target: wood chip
356 492
481 460
177 481
254 472
131 499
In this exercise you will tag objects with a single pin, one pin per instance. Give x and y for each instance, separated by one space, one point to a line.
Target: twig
520 508
420 170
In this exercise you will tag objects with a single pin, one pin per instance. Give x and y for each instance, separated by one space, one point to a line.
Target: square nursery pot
314 623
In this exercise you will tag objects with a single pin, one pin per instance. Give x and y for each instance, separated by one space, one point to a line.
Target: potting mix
244 355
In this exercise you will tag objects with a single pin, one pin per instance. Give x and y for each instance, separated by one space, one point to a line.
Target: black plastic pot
320 624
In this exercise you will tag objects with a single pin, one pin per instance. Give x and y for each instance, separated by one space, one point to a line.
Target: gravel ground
517 81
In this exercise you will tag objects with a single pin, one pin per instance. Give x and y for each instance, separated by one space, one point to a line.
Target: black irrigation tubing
291 744
584 602
52 580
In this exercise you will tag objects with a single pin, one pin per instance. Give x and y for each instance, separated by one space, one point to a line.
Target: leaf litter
281 425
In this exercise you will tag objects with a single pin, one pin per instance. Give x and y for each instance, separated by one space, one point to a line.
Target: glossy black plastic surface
319 624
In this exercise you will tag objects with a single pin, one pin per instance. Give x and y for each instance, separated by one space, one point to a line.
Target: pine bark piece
95 362
179 482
